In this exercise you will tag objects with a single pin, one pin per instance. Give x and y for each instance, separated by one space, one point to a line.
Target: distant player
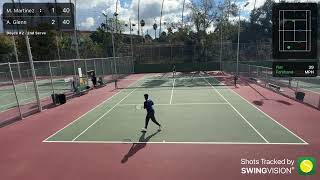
94 79
116 84
150 113
235 78
174 71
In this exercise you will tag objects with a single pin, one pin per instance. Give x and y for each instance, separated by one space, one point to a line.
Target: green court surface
26 92
308 84
312 84
191 110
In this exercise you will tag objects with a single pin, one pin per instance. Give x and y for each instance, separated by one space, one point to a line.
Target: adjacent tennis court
26 92
193 108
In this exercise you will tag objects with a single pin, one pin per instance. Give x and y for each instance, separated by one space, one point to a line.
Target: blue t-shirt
148 106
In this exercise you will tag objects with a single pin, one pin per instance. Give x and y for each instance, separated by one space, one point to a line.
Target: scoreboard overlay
19 18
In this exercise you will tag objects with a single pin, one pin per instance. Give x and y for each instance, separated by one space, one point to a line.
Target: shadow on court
138 146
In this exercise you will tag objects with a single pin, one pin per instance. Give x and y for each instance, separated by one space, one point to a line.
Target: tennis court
192 108
310 84
26 92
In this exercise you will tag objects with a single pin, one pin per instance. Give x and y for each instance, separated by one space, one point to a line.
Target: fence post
94 66
33 73
74 68
102 66
51 80
15 91
171 53
132 63
85 66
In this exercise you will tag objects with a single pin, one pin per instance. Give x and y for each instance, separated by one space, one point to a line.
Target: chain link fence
19 92
255 53
305 90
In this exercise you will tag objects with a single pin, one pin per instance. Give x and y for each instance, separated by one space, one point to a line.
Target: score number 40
65 22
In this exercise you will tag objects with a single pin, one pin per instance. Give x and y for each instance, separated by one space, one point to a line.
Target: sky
89 12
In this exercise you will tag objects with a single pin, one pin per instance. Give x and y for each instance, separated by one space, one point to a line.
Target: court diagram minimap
294 31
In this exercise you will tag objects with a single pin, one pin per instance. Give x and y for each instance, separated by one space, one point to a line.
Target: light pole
220 30
138 17
184 1
75 30
116 15
113 50
142 23
161 17
131 29
237 73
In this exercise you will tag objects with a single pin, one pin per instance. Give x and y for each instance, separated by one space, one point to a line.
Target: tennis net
169 83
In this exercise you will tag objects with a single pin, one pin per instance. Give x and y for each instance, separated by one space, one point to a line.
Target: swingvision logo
306 165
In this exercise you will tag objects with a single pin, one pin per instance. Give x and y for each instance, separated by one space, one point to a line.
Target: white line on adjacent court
89 111
238 112
168 142
24 100
174 80
306 89
104 114
268 116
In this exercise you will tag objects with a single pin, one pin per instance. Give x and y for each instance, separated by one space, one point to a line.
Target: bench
82 89
253 79
274 86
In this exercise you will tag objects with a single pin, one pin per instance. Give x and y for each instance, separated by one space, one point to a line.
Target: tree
103 40
261 22
6 48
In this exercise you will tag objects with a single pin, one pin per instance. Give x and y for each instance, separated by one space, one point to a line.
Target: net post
15 90
33 73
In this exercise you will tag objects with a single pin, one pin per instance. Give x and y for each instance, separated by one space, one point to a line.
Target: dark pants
150 115
94 81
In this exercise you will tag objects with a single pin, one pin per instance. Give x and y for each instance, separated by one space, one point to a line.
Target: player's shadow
138 146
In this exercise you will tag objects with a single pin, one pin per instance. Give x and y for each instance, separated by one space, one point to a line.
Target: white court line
104 114
89 111
172 91
310 90
268 116
6 94
169 142
178 104
239 113
24 100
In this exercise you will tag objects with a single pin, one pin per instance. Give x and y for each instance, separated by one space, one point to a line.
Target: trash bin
62 98
55 98
300 96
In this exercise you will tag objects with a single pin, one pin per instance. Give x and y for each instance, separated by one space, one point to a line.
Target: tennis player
235 78
174 71
150 113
